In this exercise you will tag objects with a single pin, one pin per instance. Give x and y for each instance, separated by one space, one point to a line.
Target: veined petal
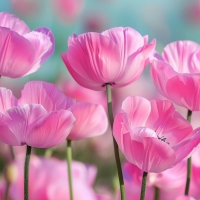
20 120
51 129
46 94
42 41
16 54
137 110
7 99
126 39
10 21
167 122
119 130
184 148
132 70
6 135
161 72
91 120
98 58
150 155
178 55
187 90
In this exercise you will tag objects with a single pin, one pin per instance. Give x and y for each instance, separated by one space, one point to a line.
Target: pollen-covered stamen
163 139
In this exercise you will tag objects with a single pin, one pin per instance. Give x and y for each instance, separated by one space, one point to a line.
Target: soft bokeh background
166 21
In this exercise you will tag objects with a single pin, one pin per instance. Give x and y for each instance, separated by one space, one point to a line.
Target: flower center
163 139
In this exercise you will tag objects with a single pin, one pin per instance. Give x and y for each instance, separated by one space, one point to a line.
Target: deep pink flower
177 74
116 56
25 122
22 51
91 119
153 135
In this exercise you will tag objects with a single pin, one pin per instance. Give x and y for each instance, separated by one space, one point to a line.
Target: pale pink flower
22 51
91 119
177 74
49 180
116 57
24 122
183 197
153 135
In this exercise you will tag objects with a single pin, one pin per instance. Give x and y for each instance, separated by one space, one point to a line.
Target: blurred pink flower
26 7
116 56
31 123
183 197
68 10
48 180
177 75
22 51
153 135
91 119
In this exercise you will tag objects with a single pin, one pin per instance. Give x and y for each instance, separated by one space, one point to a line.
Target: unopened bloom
116 57
153 135
22 51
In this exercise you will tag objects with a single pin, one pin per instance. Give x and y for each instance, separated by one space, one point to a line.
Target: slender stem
143 189
156 193
189 162
69 159
116 150
7 190
48 153
12 152
26 170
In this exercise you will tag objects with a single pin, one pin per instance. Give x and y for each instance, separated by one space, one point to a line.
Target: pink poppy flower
116 56
22 51
33 124
177 74
153 135
91 119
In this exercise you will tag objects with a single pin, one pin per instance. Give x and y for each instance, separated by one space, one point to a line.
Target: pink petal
91 120
119 130
16 52
51 130
126 39
178 55
43 43
187 90
167 122
132 70
148 52
137 110
98 60
7 100
150 155
10 21
46 94
161 72
184 148
18 122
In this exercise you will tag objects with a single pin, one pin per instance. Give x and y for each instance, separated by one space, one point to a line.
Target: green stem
7 190
69 159
26 170
143 189
189 161
48 153
12 152
156 193
116 150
